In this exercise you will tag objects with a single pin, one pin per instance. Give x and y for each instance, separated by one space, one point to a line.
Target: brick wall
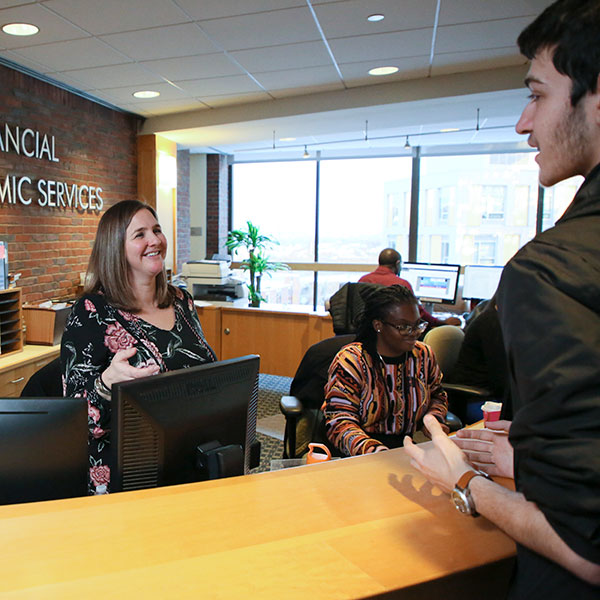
217 195
95 147
183 208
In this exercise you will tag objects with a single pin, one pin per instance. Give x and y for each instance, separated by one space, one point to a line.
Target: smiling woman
129 323
382 385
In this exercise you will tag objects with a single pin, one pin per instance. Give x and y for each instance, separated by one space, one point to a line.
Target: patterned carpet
270 390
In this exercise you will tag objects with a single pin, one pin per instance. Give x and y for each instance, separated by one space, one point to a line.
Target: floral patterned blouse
94 332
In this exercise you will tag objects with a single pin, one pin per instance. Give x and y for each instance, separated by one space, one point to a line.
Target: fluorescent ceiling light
449 129
383 71
146 94
376 17
287 139
20 29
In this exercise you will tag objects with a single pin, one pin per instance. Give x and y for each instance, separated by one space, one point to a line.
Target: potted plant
257 262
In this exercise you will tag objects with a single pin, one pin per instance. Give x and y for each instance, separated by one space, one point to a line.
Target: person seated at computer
482 362
387 273
128 323
382 385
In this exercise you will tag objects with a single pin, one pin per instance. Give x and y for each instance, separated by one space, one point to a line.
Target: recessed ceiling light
146 94
287 139
383 70
20 29
449 129
376 17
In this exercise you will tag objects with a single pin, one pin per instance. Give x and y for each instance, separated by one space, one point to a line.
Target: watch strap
463 486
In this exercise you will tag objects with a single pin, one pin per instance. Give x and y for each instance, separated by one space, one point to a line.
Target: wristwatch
461 495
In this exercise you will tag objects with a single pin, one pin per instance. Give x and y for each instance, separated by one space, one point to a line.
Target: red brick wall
217 199
95 146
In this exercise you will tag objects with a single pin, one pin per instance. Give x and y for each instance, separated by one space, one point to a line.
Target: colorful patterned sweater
361 400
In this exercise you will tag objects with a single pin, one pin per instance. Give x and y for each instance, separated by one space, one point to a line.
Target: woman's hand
487 450
120 369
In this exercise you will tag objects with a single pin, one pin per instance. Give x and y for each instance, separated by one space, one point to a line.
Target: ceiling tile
468 11
279 58
296 78
193 67
36 66
230 8
480 36
231 100
263 29
125 93
357 73
75 54
162 42
113 16
52 27
71 81
217 86
381 47
460 62
116 76
343 19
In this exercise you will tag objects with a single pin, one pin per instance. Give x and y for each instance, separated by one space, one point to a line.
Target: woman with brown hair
129 322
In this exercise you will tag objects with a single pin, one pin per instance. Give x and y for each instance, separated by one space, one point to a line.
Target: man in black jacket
549 308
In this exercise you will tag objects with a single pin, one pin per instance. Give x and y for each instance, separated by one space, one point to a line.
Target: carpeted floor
270 422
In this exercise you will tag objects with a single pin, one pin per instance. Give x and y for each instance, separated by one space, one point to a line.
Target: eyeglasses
408 328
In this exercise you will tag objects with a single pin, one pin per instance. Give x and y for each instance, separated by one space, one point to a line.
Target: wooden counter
280 335
17 368
354 528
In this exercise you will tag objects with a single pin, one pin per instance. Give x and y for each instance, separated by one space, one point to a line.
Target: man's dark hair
572 29
389 257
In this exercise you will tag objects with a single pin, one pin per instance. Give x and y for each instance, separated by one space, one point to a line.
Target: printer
212 281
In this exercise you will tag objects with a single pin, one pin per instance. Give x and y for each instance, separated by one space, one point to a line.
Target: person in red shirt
387 273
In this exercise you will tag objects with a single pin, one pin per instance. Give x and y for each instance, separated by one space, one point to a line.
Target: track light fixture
306 154
407 143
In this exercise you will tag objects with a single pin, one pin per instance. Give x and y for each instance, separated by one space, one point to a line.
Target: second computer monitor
434 283
481 281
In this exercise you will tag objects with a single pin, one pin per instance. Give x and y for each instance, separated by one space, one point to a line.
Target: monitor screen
43 449
481 281
431 282
159 422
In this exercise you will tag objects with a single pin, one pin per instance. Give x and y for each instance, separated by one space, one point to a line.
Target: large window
472 209
476 209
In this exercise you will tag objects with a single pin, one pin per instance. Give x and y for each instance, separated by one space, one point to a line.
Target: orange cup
317 453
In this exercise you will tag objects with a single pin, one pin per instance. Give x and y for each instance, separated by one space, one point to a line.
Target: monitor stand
429 306
214 461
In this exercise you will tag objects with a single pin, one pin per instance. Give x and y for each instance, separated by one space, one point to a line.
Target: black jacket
549 306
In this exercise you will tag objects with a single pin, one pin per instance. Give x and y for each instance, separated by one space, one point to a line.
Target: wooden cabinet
11 324
280 337
16 369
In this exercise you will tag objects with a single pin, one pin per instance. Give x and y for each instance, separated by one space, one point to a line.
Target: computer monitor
481 281
43 449
432 282
159 422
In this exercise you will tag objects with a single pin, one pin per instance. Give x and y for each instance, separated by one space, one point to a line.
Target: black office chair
46 382
346 305
446 341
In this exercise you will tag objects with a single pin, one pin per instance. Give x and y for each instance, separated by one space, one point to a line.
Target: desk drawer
14 380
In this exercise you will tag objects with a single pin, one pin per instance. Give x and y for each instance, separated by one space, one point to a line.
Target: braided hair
377 305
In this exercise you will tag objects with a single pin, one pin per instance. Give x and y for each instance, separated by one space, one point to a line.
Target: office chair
446 341
46 382
346 305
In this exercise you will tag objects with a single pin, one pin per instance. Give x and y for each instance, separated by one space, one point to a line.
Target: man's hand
443 462
453 321
489 451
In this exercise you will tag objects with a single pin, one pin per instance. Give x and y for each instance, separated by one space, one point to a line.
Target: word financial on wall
50 193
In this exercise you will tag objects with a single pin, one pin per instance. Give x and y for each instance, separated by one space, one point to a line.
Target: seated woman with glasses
382 385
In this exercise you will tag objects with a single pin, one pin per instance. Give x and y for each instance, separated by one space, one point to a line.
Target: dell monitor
432 283
184 426
481 281
43 449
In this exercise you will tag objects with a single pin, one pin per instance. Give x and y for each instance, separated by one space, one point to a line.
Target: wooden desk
16 369
353 528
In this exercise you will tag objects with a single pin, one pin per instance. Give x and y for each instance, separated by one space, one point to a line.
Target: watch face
461 502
